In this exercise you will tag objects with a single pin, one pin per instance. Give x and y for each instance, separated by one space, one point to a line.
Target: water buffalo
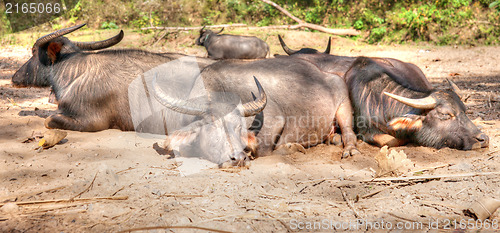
215 130
404 76
231 46
27 75
91 87
303 104
390 110
340 64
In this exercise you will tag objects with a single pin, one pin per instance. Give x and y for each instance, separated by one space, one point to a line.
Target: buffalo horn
100 44
283 45
201 30
455 88
177 105
220 31
423 103
327 51
256 106
44 39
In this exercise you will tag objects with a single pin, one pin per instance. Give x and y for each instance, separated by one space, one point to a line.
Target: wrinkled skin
383 120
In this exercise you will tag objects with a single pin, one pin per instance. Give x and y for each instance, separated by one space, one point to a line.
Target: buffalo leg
345 121
59 121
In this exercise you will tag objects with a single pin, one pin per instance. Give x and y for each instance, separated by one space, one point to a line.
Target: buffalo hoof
350 151
335 139
289 148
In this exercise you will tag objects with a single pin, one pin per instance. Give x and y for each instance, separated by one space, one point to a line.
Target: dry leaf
391 161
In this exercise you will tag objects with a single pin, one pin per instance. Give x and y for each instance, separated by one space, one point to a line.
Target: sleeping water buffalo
28 74
231 46
391 110
340 64
91 87
216 129
373 110
303 104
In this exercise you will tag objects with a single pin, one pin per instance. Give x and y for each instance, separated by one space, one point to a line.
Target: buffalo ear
252 143
49 55
53 51
409 123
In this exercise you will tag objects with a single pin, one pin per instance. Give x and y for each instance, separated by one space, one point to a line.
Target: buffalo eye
445 115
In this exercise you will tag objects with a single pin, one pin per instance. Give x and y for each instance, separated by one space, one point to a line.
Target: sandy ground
112 181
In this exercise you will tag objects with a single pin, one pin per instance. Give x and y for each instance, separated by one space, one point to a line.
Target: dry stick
88 188
349 204
66 200
194 28
181 195
174 227
432 168
343 32
32 193
409 178
382 189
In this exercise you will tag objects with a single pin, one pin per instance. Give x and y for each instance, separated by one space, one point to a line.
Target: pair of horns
248 109
203 29
291 51
82 45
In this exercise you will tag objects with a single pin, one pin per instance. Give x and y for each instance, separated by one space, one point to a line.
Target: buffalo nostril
483 139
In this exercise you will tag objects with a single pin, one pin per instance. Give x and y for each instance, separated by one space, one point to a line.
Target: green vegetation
439 21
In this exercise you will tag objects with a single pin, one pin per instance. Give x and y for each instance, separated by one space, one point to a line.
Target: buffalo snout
483 140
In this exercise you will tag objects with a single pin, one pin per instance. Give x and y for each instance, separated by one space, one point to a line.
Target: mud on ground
140 188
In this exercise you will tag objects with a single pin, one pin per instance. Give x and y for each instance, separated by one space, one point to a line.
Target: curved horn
100 44
203 28
44 39
423 103
327 50
177 105
287 50
220 31
454 87
256 106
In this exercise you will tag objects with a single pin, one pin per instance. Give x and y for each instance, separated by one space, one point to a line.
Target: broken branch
341 31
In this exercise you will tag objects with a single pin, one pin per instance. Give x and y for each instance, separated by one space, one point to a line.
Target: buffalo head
204 34
219 132
443 123
51 49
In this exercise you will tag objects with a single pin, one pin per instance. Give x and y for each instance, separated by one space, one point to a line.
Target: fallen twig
409 178
349 204
88 188
67 200
174 227
431 168
194 28
32 193
344 32
181 195
380 190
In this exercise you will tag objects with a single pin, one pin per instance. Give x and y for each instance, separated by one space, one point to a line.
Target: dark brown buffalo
369 78
391 110
231 46
91 87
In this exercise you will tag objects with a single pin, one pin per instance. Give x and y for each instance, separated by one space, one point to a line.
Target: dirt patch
275 194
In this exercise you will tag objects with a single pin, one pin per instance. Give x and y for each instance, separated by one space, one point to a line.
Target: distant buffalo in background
231 46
